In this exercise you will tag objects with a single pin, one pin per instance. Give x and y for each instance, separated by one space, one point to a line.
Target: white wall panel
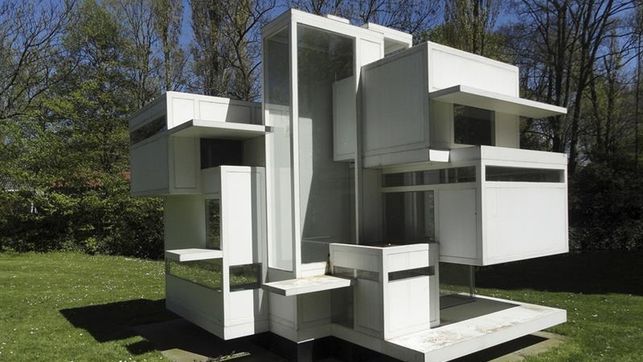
507 130
185 158
149 165
523 221
449 67
457 223
395 104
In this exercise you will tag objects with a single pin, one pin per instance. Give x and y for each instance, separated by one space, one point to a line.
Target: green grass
69 306
602 293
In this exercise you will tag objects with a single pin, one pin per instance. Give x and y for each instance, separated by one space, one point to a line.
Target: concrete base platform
471 327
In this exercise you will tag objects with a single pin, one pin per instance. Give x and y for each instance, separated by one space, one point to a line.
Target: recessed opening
215 152
472 126
247 276
206 273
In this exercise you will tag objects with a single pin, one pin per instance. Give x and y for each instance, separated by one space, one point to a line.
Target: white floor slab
489 322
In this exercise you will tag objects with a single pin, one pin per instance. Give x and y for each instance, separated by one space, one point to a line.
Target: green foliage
606 206
66 163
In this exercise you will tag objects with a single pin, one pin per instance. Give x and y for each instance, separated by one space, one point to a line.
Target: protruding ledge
307 285
192 254
480 98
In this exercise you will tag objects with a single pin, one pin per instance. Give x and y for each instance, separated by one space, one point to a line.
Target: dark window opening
472 126
147 130
215 153
431 177
519 174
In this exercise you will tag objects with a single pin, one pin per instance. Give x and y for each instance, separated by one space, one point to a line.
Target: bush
606 203
103 220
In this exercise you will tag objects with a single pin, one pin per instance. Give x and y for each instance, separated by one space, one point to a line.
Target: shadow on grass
598 272
160 329
114 321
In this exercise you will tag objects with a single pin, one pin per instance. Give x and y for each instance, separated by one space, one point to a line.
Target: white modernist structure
327 209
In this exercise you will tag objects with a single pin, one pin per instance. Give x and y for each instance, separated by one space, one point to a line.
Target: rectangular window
472 126
206 273
325 191
215 153
276 60
519 174
147 130
247 276
431 177
212 224
409 217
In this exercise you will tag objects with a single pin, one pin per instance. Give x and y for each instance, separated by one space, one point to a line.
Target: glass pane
518 174
246 276
212 224
148 130
278 154
472 126
206 273
409 217
324 185
431 177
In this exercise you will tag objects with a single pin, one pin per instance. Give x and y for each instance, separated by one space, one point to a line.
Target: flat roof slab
480 324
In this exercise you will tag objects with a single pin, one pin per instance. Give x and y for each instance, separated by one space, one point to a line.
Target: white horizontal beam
479 98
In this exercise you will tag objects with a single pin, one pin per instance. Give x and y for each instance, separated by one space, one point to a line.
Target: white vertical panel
408 306
457 223
507 130
394 101
344 119
185 167
369 51
149 165
237 219
441 121
182 109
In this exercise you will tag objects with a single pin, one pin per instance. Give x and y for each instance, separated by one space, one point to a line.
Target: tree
167 23
29 35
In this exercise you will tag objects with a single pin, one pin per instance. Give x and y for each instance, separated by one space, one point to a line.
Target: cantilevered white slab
466 329
464 337
192 254
307 285
216 129
474 97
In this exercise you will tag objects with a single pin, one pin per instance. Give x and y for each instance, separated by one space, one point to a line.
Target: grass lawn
51 302
69 306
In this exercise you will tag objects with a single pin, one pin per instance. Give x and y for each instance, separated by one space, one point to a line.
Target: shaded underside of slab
480 324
